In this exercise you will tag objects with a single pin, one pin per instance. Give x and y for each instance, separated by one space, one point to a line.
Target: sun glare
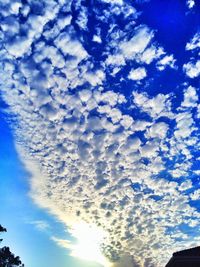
89 239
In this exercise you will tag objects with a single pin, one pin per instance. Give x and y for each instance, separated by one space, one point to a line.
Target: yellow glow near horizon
89 239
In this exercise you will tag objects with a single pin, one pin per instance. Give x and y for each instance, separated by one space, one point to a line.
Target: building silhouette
185 258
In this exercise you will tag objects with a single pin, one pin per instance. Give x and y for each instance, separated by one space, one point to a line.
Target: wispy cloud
41 225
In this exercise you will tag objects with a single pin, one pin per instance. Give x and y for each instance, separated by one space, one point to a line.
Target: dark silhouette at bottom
185 258
7 258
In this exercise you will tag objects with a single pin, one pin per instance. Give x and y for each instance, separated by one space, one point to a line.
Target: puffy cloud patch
137 43
156 107
192 69
190 98
150 54
97 39
157 130
195 195
137 74
166 61
194 42
185 185
190 3
118 2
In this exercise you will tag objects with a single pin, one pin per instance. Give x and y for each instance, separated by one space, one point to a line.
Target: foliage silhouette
7 258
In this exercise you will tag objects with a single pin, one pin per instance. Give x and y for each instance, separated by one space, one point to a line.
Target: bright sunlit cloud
87 246
89 240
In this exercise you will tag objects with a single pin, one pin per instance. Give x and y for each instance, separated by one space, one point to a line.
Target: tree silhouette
7 258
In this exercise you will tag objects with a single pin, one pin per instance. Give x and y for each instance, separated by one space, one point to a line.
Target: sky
99 131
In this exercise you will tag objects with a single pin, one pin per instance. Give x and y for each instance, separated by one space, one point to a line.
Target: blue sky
99 133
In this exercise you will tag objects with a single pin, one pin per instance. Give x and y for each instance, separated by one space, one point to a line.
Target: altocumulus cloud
118 160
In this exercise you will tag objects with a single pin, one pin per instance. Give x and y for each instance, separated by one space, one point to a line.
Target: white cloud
156 107
166 61
118 2
194 42
198 111
137 74
185 185
19 47
40 225
137 43
157 130
70 46
191 69
125 261
195 195
85 95
149 150
117 60
63 22
140 47
20 44
190 98
126 121
82 15
62 242
184 125
177 173
94 78
97 39
15 7
190 3
151 54
115 115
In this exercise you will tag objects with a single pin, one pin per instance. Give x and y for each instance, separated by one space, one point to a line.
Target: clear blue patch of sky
173 22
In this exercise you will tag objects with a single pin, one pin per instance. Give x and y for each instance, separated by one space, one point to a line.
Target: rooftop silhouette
185 258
